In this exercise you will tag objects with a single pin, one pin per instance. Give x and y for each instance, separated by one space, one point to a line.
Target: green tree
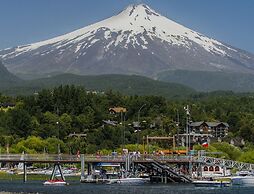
49 126
31 145
247 157
19 122
52 144
231 151
65 125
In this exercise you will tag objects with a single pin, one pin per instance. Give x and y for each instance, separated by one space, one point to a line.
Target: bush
247 157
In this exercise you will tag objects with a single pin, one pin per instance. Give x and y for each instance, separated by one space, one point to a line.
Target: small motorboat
211 183
129 181
243 178
55 183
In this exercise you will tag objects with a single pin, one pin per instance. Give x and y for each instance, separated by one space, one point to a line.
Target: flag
205 144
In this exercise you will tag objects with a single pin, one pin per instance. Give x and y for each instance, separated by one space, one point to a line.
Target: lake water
76 187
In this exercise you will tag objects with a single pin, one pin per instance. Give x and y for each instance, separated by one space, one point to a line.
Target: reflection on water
8 187
2 192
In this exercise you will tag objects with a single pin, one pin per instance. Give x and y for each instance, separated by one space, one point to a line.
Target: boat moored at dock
243 178
213 183
129 181
55 183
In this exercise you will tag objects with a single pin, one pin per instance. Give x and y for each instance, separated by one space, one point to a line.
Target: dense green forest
126 84
40 122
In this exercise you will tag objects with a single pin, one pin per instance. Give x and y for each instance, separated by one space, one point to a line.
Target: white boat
215 183
129 181
55 183
243 178
67 172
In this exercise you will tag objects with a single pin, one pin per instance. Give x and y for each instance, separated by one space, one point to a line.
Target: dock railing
66 158
62 158
225 163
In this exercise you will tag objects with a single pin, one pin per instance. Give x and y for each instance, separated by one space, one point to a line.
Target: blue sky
28 21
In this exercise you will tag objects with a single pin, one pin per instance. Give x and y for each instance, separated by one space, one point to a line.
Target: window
211 168
217 168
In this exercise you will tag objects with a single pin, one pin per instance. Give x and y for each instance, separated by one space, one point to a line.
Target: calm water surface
76 187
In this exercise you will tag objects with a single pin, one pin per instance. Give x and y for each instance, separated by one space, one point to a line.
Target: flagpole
188 139
187 129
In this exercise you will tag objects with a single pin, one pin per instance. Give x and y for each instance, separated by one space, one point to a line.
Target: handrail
122 159
225 163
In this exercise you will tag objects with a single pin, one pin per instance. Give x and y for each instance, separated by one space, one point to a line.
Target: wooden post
25 173
174 143
89 170
82 157
61 172
147 142
58 165
53 172
144 147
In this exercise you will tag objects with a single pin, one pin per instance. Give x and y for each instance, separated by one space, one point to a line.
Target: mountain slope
6 78
130 85
211 81
136 41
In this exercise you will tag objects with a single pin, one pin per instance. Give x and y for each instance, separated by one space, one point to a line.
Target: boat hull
55 183
211 183
129 181
243 180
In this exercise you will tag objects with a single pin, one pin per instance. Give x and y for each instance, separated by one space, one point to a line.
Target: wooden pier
172 168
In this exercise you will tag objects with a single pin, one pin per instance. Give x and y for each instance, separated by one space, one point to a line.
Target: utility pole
187 129
177 125
58 134
123 128
124 131
139 122
188 139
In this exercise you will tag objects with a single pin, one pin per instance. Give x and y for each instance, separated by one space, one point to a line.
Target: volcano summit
137 41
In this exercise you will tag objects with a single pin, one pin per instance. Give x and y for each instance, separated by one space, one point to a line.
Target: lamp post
139 122
188 139
187 129
140 110
123 128
58 145
177 125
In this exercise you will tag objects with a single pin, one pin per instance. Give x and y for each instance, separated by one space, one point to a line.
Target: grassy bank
32 177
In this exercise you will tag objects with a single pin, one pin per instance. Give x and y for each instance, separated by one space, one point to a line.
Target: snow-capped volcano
136 41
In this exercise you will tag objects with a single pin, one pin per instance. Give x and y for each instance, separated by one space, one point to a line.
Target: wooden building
216 129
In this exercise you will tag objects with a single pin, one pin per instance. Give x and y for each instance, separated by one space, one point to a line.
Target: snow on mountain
136 41
137 20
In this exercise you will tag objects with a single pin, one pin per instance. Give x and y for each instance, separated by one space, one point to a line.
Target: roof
109 122
209 124
196 124
7 104
226 124
215 124
212 124
118 109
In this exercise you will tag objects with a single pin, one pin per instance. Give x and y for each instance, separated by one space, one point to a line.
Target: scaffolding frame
156 138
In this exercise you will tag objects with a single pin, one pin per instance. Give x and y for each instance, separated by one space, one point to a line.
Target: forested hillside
41 121
129 85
